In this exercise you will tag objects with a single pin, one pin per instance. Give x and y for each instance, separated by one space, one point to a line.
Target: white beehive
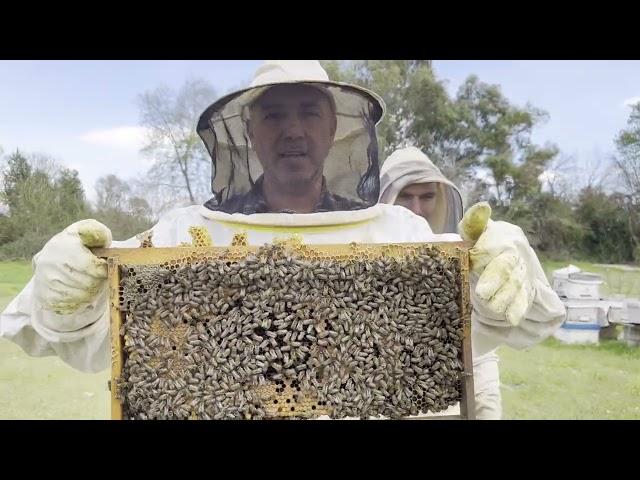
633 310
618 312
578 334
571 282
587 311
626 310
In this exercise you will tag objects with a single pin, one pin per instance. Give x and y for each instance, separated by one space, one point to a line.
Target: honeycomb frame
239 250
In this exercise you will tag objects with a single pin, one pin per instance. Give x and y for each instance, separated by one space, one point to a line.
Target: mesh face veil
350 169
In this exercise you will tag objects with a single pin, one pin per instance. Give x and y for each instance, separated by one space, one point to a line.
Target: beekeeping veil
351 169
407 166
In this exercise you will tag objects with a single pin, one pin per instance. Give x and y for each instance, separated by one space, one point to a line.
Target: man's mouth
293 154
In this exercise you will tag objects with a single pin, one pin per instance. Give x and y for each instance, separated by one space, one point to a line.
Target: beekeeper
512 301
292 153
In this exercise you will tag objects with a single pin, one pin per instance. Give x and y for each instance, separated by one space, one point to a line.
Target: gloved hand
67 275
504 289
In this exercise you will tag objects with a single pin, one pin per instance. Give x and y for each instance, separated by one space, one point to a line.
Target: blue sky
83 113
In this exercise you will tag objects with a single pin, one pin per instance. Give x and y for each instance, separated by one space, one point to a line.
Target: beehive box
290 331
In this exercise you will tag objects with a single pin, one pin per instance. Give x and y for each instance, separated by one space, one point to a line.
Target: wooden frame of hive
117 257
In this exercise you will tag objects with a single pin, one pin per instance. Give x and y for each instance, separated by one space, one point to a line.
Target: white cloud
127 137
630 102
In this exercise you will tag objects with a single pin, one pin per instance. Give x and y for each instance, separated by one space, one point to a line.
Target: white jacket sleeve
41 332
545 315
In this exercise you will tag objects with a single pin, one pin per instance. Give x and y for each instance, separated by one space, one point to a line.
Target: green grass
43 388
556 381
548 381
47 388
13 277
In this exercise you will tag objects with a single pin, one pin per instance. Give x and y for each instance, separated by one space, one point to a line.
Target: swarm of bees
279 335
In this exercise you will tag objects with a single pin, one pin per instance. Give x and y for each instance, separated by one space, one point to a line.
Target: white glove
67 275
504 288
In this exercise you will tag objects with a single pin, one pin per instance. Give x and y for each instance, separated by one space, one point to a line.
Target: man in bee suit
292 153
512 302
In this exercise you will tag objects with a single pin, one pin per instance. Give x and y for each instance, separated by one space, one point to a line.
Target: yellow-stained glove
67 275
503 289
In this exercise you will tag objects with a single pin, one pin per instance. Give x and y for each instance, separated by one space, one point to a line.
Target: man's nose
293 128
415 206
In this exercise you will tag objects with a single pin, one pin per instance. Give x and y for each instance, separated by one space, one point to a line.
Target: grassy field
43 388
549 381
46 388
556 381
13 277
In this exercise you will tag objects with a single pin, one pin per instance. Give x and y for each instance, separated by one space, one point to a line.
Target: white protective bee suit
63 310
545 311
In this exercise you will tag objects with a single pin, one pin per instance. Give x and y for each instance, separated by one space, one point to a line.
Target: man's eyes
281 115
274 115
426 196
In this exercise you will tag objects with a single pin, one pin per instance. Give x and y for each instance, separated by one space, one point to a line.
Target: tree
628 146
478 128
16 172
477 137
495 136
411 94
607 236
112 193
69 200
120 209
181 163
42 198
565 177
554 228
628 166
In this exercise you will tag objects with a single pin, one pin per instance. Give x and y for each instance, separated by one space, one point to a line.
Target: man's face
420 198
291 128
